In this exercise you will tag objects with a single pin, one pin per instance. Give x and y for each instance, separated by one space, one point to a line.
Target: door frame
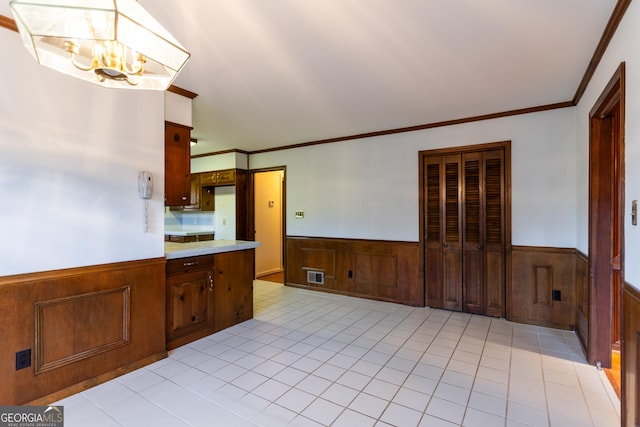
422 155
601 300
251 211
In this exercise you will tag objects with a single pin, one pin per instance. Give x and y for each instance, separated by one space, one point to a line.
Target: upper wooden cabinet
177 165
201 197
222 177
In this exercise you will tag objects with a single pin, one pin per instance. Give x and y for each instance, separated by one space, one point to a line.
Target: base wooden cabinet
208 293
233 289
190 311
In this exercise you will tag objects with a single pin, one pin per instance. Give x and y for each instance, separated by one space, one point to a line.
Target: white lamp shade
45 26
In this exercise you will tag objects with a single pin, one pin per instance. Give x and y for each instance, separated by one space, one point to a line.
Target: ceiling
282 72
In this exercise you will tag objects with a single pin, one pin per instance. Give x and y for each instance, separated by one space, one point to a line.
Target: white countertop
174 250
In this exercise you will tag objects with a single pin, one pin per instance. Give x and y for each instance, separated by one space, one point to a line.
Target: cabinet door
233 287
189 303
207 198
177 167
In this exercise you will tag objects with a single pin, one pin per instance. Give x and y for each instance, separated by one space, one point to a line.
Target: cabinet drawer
227 176
223 177
183 265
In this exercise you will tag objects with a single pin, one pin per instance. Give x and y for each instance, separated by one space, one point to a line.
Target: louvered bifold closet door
443 230
433 194
452 236
473 234
494 226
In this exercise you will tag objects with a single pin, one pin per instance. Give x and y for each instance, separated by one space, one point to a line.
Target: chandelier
112 43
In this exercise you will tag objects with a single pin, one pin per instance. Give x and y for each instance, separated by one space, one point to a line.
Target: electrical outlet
23 359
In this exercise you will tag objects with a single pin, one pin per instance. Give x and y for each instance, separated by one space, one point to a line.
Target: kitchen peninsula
209 287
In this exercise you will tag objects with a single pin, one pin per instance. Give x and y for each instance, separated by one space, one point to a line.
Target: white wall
70 152
369 188
623 48
225 215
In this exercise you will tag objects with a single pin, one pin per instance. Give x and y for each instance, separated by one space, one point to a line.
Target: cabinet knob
184 197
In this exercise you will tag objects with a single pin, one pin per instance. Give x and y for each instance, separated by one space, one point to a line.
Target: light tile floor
312 359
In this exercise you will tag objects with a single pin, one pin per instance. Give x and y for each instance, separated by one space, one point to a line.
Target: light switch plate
299 214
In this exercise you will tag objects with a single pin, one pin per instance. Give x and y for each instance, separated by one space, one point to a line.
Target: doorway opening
268 222
606 226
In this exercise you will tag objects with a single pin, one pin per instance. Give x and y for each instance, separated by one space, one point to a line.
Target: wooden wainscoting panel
382 270
630 356
84 330
375 274
536 272
80 326
495 286
542 285
320 259
10 343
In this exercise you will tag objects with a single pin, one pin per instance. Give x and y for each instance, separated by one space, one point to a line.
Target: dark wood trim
612 25
18 279
251 214
465 148
8 23
217 153
547 249
423 126
630 356
180 91
606 131
354 240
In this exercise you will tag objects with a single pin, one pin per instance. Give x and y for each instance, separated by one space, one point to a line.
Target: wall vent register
315 277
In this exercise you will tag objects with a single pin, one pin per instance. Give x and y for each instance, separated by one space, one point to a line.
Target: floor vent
315 277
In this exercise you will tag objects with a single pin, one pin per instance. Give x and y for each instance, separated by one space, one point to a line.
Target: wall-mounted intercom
145 184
